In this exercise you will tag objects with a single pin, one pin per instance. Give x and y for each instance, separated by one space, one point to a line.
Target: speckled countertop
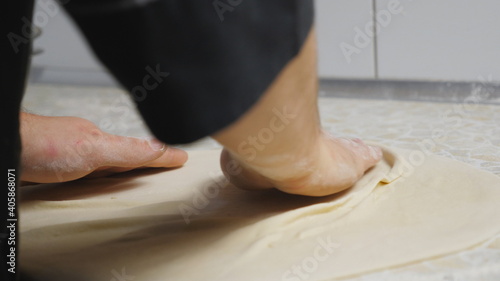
467 131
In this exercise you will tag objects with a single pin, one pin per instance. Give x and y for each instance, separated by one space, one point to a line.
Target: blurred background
412 40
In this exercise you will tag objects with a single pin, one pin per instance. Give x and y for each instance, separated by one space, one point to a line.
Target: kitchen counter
466 131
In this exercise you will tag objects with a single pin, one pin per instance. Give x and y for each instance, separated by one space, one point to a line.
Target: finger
375 153
369 154
366 155
171 157
107 171
118 151
176 158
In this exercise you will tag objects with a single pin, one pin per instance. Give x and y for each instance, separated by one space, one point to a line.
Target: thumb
119 151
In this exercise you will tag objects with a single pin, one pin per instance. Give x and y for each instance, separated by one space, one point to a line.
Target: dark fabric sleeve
15 53
193 66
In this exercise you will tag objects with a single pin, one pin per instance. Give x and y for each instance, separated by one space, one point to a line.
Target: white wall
416 40
441 39
336 23
65 57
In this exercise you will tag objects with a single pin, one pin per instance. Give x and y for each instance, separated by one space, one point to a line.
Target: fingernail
156 145
356 142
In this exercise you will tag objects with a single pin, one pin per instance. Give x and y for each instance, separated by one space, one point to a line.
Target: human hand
333 165
57 149
279 142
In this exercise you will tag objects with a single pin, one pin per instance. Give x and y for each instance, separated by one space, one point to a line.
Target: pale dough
189 224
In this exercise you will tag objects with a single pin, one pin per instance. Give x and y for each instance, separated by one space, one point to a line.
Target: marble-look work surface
467 131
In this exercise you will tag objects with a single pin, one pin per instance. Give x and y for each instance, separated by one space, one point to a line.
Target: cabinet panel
343 51
65 56
441 40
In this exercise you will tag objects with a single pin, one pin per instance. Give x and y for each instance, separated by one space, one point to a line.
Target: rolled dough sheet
190 224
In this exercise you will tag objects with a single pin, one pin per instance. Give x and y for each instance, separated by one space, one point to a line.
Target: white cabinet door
345 49
441 40
65 56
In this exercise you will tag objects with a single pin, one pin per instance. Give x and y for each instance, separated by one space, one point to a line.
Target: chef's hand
57 149
279 142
